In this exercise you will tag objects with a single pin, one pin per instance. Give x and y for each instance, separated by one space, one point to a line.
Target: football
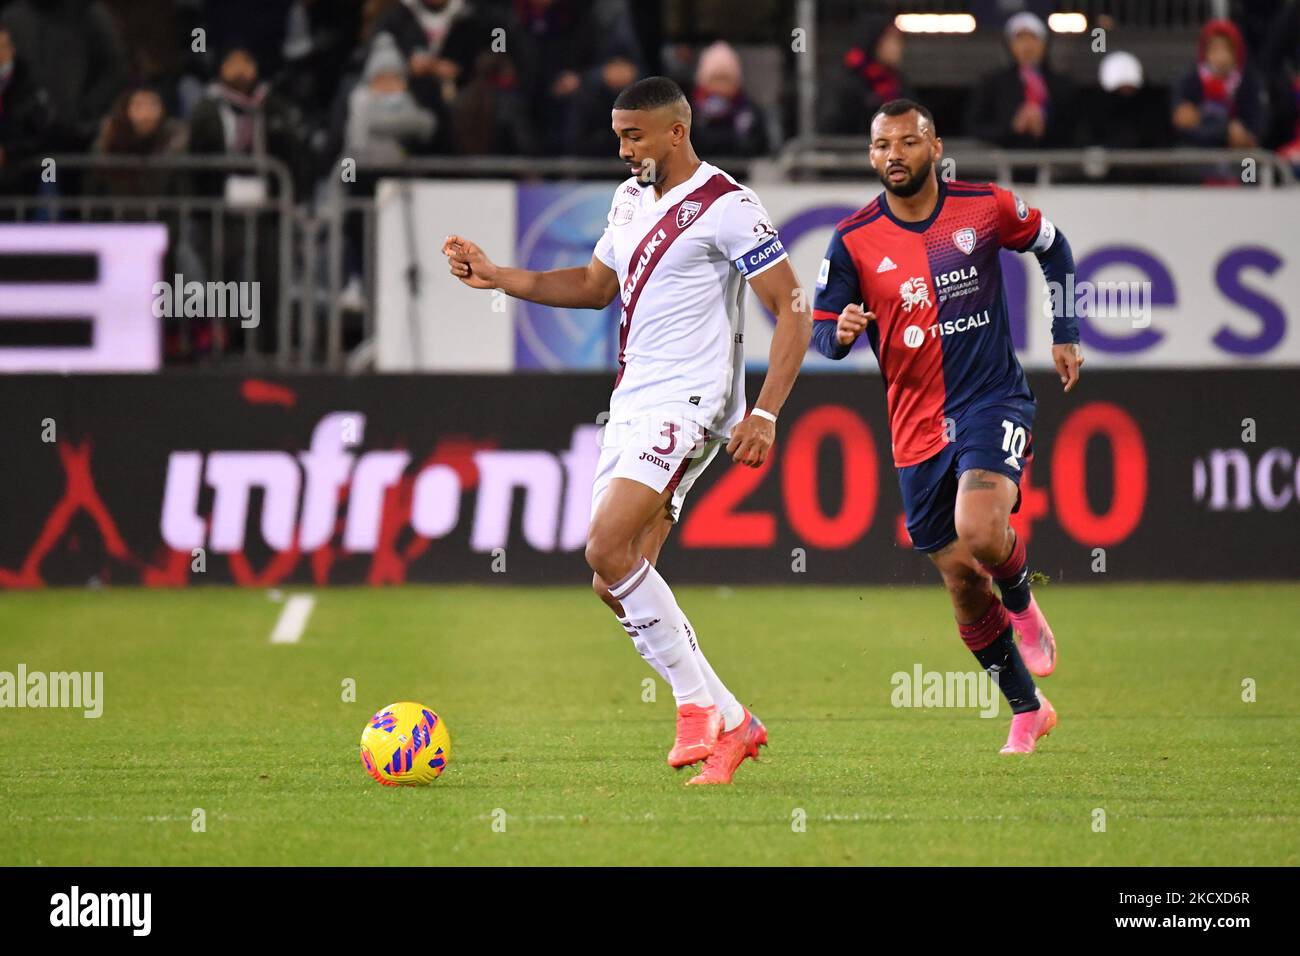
405 744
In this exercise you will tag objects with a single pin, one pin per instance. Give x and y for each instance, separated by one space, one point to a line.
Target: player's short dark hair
649 93
899 107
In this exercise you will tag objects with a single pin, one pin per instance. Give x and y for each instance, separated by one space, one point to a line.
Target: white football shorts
663 448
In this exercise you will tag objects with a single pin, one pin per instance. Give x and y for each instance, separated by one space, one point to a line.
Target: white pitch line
293 619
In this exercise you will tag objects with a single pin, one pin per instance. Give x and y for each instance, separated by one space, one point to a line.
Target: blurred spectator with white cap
1025 105
1125 113
385 122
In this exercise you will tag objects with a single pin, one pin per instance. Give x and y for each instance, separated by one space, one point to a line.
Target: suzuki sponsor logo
1228 480
647 253
300 493
914 292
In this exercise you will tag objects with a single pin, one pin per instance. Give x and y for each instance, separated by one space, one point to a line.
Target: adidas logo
885 265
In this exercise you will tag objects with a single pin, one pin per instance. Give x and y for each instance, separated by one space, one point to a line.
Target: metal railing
220 239
807 157
342 206
312 250
1161 14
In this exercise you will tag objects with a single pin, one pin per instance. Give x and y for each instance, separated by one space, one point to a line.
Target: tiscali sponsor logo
964 324
914 335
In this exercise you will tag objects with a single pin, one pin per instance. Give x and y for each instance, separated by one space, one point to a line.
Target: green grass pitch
543 695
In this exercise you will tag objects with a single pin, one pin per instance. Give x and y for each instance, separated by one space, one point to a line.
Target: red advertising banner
182 480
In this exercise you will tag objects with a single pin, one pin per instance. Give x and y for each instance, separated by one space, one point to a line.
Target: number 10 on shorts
1013 441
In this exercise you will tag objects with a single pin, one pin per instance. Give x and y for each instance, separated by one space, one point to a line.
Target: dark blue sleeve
824 338
1057 263
837 286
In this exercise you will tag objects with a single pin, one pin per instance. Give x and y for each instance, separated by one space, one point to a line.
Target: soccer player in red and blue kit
917 270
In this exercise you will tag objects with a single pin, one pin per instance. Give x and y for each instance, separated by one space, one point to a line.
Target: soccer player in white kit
680 237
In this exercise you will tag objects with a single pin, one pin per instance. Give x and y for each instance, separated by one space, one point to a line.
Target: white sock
651 610
730 709
643 649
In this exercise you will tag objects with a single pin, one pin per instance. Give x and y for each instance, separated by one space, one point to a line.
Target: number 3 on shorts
670 432
1013 441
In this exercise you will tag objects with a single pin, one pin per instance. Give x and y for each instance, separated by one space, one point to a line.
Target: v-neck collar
919 225
665 201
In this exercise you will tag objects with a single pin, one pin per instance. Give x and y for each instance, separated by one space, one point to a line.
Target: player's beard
908 187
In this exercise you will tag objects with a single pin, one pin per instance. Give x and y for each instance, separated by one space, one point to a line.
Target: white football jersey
680 261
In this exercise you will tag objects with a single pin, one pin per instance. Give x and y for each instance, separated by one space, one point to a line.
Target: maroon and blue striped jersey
942 335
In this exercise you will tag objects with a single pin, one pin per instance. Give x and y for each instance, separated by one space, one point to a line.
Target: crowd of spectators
310 81
313 82
1231 94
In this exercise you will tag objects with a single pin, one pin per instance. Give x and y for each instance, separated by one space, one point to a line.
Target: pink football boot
1037 644
1026 728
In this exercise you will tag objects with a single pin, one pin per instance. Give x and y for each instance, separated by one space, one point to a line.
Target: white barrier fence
1180 277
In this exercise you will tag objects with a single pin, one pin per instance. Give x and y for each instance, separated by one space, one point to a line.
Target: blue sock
1002 660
